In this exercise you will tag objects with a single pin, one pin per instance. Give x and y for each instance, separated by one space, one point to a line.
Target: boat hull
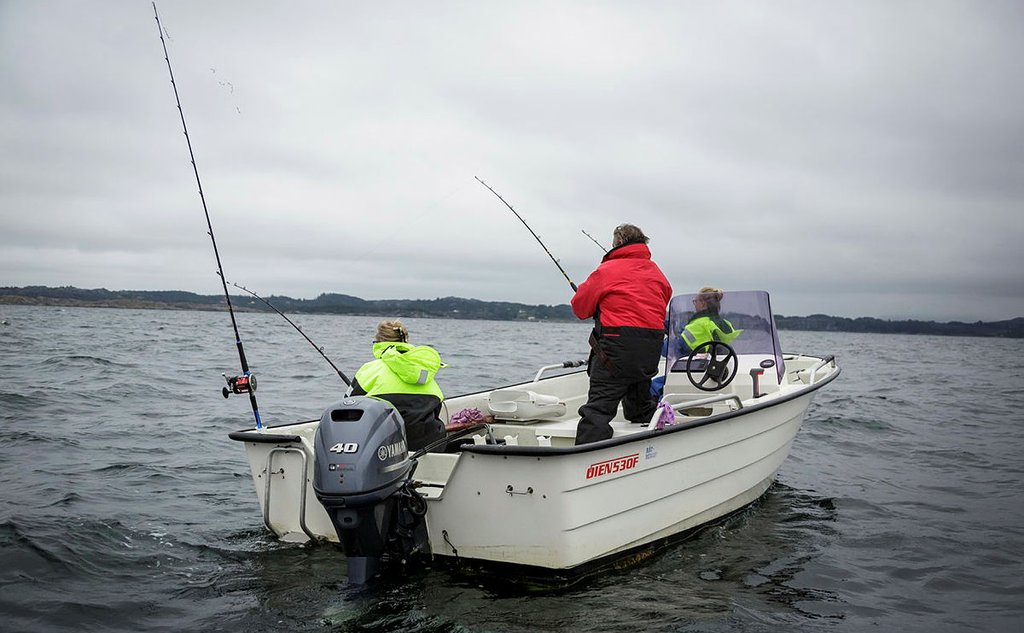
557 507
562 511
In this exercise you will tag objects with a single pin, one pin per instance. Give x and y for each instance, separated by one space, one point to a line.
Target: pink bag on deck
466 418
667 417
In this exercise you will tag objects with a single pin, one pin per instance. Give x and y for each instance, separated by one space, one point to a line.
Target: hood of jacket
413 364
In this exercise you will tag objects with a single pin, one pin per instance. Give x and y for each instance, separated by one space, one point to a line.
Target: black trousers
622 375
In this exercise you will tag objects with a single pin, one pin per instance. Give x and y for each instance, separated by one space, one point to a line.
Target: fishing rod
595 241
318 348
535 236
246 382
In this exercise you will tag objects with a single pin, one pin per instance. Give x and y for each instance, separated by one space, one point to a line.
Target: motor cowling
362 478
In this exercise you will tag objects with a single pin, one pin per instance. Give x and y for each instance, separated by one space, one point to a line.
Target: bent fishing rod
246 382
594 241
318 348
535 236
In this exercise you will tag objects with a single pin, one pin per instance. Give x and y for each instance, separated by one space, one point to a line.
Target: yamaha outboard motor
362 478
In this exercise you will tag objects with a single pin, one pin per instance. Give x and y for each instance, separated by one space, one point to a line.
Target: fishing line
245 383
398 229
535 236
318 348
594 241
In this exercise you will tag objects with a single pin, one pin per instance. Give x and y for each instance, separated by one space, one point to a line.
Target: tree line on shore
453 308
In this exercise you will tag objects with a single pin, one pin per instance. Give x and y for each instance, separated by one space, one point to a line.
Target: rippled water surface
127 508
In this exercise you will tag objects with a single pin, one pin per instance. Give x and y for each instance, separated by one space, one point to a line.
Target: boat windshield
748 312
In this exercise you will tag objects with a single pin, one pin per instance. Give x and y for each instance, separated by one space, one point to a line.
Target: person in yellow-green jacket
706 324
403 374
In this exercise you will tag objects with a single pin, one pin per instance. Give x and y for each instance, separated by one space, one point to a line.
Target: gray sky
854 158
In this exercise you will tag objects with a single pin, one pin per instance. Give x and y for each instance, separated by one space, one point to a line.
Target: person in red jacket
627 296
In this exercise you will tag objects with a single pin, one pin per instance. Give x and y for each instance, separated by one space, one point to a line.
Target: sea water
125 507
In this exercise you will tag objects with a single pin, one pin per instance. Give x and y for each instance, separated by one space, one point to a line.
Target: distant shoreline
451 308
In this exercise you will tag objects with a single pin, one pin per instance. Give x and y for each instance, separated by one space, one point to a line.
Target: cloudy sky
854 158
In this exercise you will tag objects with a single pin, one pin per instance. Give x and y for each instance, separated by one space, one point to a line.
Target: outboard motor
362 478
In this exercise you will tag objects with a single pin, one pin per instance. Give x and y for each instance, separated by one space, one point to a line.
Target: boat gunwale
251 435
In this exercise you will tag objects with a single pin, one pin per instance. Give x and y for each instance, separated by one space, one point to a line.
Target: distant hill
328 303
452 308
1014 328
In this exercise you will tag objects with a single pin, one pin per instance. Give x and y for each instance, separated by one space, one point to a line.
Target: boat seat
524 405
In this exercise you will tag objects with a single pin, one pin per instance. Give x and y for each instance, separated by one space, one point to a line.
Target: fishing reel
239 384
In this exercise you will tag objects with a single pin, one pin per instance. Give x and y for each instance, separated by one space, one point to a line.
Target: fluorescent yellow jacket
403 374
401 368
708 326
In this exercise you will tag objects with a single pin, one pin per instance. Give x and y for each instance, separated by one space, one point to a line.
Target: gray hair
628 234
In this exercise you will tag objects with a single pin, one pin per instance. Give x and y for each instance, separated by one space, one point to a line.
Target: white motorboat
516 490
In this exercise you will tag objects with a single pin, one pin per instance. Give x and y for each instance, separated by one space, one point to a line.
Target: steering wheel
717 370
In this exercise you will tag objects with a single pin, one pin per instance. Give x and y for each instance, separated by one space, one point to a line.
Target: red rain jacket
628 288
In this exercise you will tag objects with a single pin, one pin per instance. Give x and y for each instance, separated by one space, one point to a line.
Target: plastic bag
667 417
